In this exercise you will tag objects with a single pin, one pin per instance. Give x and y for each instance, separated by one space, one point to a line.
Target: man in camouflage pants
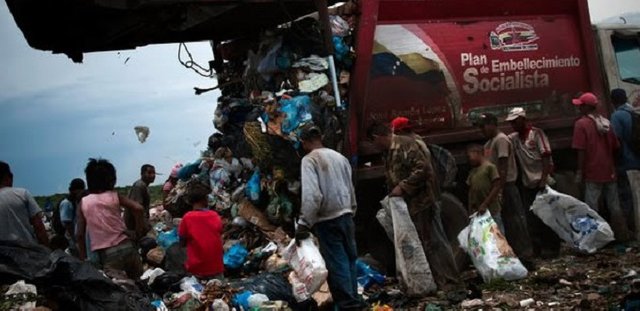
411 176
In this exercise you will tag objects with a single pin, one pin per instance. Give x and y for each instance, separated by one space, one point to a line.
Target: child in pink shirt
100 215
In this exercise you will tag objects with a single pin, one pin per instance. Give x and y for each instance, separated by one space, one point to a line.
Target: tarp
71 283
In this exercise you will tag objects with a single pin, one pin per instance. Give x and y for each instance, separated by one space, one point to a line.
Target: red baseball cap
400 123
586 99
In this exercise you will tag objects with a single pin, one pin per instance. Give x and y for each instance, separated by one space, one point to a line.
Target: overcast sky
55 114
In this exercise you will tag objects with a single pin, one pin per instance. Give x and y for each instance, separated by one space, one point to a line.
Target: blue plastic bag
188 170
367 276
340 48
253 187
242 299
235 257
168 238
296 112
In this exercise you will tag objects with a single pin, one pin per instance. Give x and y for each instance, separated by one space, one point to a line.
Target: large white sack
307 263
573 220
489 250
412 266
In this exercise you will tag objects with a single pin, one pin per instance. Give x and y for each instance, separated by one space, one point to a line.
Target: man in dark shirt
140 193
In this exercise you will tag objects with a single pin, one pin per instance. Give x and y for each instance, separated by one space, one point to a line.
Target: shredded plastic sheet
489 250
142 132
412 266
573 220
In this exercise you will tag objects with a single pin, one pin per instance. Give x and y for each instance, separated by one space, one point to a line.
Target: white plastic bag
191 285
21 287
151 275
300 292
489 250
574 221
307 263
412 266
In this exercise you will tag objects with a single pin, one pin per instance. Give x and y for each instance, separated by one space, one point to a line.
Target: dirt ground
573 281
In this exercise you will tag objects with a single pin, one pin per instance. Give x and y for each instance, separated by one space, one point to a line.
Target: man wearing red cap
410 175
597 145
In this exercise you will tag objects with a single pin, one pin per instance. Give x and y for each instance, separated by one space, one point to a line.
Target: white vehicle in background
618 41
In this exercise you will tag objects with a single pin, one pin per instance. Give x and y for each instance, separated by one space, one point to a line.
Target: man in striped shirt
533 152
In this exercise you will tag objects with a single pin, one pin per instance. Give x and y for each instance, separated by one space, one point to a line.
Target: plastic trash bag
313 82
190 284
235 257
185 172
296 112
340 48
256 300
308 264
159 305
339 27
151 275
367 276
242 300
412 266
269 64
574 221
299 289
70 283
252 191
168 281
274 285
168 238
489 250
219 178
313 63
22 288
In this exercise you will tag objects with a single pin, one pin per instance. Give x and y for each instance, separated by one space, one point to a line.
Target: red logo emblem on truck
514 37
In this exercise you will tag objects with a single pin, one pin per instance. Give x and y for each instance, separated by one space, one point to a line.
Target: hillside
155 192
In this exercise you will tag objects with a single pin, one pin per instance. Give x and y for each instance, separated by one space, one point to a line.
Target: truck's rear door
443 63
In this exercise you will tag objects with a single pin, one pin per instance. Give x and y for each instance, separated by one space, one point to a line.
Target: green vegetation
154 191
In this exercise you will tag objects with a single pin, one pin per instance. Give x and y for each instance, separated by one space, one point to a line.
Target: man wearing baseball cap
597 145
533 152
410 175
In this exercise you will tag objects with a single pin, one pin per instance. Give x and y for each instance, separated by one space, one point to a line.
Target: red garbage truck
443 63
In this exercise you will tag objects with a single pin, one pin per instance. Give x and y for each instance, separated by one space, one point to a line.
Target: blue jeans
338 248
592 193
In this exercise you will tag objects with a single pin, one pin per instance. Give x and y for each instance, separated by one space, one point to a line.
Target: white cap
516 113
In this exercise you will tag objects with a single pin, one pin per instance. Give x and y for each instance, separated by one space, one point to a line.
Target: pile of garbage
271 89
